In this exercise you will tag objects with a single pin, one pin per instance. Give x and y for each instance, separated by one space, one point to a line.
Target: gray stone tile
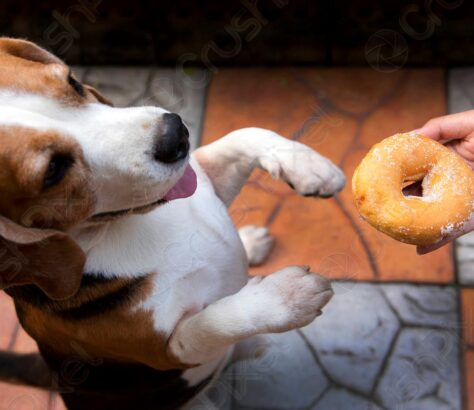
353 335
166 88
422 372
341 399
217 397
466 240
465 261
460 89
79 72
286 376
375 346
424 305
465 258
124 86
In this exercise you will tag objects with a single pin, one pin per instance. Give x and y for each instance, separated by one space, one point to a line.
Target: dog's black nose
172 144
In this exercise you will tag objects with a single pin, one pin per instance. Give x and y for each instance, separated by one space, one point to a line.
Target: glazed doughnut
447 199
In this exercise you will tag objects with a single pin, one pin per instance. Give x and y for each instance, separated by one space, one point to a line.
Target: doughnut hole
411 187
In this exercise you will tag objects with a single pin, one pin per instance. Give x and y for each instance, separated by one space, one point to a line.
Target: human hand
455 131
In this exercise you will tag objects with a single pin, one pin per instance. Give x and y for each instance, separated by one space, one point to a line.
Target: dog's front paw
290 298
307 172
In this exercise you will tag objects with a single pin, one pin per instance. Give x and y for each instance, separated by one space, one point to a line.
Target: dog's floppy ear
30 51
46 258
27 50
98 95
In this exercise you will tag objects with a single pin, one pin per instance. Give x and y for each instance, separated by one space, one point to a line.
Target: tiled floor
399 333
341 113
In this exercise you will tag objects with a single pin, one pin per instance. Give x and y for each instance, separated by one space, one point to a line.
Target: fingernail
420 251
414 133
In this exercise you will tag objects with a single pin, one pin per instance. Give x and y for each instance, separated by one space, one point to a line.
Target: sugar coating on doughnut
447 184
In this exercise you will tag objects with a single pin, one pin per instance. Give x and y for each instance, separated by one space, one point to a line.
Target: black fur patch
103 304
32 295
120 386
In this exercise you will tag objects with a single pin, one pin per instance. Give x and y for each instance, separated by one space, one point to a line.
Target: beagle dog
116 244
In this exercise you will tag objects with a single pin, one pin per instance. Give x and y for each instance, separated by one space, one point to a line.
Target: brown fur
44 256
24 158
48 259
112 334
27 67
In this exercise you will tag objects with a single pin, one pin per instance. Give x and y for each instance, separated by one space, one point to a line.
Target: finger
423 250
467 227
464 148
449 127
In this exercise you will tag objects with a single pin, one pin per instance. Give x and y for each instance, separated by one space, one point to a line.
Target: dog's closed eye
76 85
56 170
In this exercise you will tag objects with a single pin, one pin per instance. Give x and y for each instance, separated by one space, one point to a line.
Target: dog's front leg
230 160
287 299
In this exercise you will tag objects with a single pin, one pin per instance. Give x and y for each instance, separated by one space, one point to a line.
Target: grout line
365 244
454 257
330 379
398 282
384 364
463 347
205 103
275 211
385 361
320 397
51 400
316 358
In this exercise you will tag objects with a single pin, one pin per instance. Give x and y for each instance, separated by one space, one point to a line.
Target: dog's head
67 156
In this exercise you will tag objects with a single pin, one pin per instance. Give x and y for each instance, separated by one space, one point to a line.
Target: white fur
258 243
117 144
284 300
200 296
236 155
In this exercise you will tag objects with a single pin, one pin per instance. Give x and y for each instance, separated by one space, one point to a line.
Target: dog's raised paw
291 298
258 243
306 171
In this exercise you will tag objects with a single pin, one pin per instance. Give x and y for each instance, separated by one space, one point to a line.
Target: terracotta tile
353 91
467 304
9 322
263 201
469 379
22 398
56 403
24 343
332 251
341 113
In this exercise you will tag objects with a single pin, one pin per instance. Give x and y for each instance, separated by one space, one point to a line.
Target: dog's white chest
190 243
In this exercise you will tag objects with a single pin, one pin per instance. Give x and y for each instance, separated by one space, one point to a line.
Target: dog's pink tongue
185 187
